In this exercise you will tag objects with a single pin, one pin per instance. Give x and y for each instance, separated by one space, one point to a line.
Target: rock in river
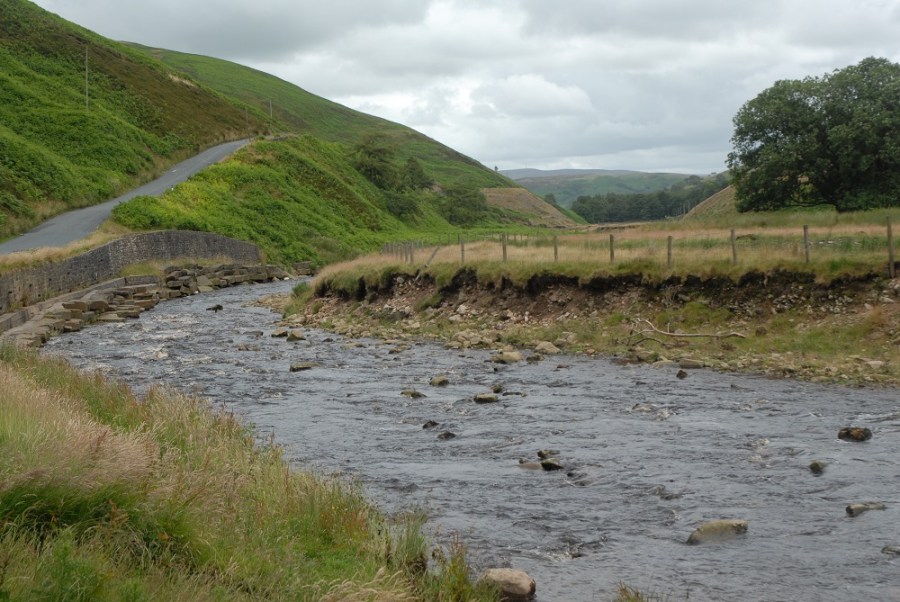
817 467
717 530
507 357
514 585
854 433
440 381
857 509
552 464
302 367
486 398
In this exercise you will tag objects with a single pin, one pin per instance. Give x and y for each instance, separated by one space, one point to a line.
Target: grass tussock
105 496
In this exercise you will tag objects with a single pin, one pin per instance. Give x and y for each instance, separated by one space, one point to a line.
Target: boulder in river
302 367
280 333
507 357
486 398
295 335
717 530
514 585
429 424
681 373
854 433
543 454
412 393
444 436
857 509
439 381
817 467
552 464
891 550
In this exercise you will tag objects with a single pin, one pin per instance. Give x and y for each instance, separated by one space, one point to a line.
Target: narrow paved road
77 224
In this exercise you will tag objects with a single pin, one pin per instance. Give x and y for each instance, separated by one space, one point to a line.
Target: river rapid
648 457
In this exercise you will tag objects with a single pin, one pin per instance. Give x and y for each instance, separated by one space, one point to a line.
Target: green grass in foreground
105 496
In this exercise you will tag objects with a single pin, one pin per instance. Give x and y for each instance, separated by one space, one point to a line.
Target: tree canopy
677 199
833 140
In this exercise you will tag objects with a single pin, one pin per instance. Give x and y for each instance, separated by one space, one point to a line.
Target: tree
463 206
833 139
413 176
373 158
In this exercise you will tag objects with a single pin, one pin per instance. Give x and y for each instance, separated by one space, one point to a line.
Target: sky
648 85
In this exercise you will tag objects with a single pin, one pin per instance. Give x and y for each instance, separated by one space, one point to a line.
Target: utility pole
87 98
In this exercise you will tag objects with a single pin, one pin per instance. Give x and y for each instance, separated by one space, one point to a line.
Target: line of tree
675 200
832 140
406 187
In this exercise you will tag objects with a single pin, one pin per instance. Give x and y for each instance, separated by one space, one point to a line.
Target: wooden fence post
669 252
555 250
612 248
462 249
503 246
892 269
806 243
733 248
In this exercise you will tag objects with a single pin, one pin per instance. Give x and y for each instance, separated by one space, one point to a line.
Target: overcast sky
650 85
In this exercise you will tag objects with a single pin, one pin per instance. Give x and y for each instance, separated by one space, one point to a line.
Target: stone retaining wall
24 287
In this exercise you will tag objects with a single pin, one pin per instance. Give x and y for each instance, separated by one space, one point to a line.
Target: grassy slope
567 188
107 496
297 110
298 198
54 153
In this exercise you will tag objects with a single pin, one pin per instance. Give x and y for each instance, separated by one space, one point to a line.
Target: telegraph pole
87 98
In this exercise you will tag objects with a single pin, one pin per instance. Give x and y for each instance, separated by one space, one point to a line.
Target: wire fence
754 248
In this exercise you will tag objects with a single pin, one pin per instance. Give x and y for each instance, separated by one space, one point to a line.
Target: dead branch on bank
643 330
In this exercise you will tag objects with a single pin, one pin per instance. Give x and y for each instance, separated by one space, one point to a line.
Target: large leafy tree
833 139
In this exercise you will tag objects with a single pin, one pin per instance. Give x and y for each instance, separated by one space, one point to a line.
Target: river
648 457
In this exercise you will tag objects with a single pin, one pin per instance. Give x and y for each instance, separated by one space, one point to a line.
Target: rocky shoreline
129 297
719 324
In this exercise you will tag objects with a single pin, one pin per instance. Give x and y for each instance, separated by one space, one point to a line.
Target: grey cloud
638 84
235 29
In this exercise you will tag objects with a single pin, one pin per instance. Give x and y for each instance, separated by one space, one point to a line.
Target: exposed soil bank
780 323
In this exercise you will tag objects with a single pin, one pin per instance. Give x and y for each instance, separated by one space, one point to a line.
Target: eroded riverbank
780 324
648 456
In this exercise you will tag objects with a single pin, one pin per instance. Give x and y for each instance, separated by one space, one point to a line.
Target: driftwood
644 329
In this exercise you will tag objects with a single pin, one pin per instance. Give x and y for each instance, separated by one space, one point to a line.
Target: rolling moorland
566 185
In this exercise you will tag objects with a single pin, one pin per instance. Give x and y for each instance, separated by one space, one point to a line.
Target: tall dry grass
162 497
833 251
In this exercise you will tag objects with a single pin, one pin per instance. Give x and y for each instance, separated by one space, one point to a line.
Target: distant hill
722 204
566 185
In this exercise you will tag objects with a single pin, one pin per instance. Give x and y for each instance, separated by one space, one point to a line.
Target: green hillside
328 182
298 198
567 185
296 110
59 149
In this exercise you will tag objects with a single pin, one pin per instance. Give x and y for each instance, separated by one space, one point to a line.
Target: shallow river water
649 457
